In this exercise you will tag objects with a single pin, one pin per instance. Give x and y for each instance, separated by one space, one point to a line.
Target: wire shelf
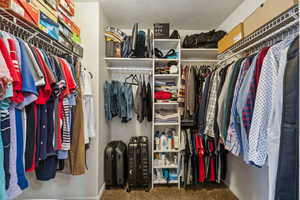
278 22
21 28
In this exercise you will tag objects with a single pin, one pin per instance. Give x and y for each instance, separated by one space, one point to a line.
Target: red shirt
162 95
259 63
70 83
12 63
45 91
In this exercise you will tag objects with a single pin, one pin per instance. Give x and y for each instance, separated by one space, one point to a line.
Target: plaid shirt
234 139
212 105
247 111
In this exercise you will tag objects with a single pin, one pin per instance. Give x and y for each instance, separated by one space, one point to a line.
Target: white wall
238 15
104 129
86 186
246 182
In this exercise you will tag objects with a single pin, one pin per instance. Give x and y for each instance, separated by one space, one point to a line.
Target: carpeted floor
211 192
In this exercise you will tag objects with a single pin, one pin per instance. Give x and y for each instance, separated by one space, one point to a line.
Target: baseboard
101 192
97 197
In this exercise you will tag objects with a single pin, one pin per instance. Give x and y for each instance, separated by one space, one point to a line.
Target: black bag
203 40
175 35
115 164
140 48
138 163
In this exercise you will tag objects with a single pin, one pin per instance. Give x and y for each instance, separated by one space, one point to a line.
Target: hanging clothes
38 94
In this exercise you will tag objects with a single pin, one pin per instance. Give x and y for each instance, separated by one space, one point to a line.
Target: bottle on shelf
164 142
157 141
170 138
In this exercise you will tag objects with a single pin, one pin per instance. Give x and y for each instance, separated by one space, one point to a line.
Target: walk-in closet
149 100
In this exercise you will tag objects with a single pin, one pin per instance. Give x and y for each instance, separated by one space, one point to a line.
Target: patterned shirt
212 105
263 105
233 140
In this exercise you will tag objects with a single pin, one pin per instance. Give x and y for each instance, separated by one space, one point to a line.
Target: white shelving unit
164 45
184 56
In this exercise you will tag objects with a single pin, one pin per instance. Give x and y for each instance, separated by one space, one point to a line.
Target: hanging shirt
88 106
14 72
35 68
260 130
45 91
28 85
242 115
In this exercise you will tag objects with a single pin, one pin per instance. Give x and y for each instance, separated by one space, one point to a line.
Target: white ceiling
181 14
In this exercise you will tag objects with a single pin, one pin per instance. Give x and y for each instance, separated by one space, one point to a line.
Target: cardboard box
21 8
48 26
75 29
235 35
68 6
265 13
52 3
46 9
66 21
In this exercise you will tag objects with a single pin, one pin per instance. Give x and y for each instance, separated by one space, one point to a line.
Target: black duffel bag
203 40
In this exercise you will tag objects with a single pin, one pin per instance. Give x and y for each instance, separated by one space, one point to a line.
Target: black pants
287 182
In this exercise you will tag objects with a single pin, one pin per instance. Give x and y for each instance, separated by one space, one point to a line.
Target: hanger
132 76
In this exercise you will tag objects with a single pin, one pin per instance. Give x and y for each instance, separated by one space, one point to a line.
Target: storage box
75 29
68 6
235 35
265 13
66 21
52 3
48 26
21 8
162 31
46 9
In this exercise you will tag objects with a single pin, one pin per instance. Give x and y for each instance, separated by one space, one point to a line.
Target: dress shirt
264 102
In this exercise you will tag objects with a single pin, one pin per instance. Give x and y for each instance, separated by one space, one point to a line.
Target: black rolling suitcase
115 164
138 163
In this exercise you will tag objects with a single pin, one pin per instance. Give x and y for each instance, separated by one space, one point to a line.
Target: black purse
175 35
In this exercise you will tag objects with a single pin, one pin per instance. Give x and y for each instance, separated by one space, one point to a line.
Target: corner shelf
199 52
129 62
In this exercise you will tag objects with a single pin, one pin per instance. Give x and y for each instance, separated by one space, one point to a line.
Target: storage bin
265 13
46 9
161 31
21 8
235 35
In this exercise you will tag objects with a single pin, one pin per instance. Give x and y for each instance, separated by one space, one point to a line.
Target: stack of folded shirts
166 116
162 68
165 91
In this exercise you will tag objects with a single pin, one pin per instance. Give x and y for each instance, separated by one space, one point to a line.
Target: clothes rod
279 31
128 68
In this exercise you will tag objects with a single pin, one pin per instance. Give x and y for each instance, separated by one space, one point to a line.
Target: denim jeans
287 182
107 102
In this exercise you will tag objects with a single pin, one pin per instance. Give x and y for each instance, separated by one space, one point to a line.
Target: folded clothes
165 83
166 121
171 116
163 95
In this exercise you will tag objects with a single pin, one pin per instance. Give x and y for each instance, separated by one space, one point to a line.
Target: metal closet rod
275 33
30 35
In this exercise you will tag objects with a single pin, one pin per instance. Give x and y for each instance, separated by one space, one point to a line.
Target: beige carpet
211 192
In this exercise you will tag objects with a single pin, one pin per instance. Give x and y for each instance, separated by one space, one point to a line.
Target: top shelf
167 43
129 62
199 53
